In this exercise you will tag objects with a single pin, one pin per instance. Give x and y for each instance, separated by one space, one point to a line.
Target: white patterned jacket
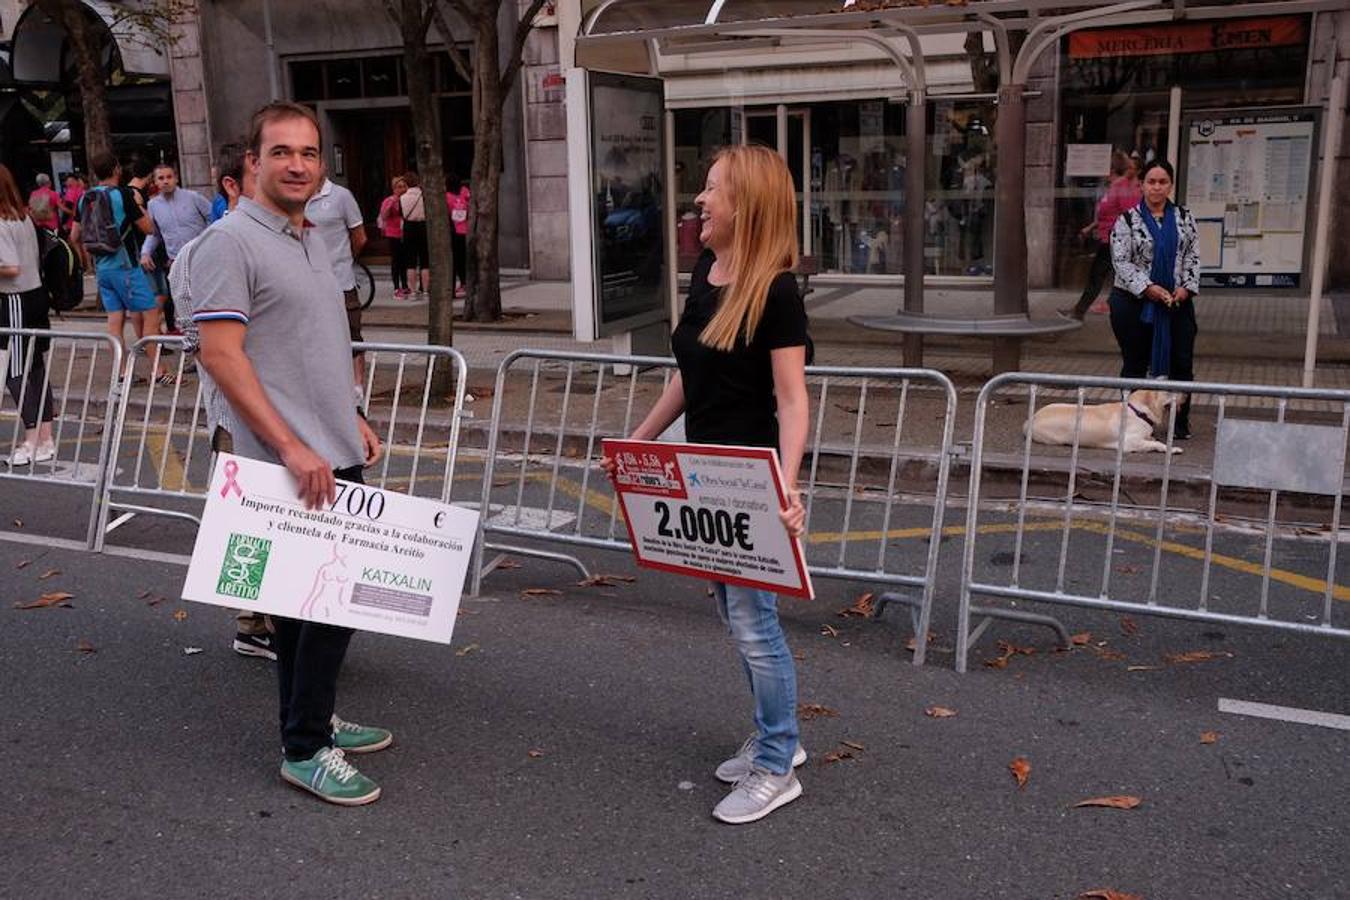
1132 252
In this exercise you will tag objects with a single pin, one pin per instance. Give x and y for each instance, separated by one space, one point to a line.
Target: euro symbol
742 526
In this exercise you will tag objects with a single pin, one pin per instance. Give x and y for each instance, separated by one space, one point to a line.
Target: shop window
1114 102
380 76
307 80
344 79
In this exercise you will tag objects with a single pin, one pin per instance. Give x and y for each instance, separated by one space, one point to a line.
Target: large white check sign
375 560
708 511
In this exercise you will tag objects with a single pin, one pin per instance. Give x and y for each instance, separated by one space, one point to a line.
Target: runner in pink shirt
1122 194
458 198
390 222
44 198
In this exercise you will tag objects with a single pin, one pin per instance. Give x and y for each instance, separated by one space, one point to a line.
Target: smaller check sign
709 511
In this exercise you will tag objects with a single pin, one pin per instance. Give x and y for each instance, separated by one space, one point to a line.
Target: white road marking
1284 713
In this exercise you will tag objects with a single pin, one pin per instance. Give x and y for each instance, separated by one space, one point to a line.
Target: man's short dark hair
139 165
230 163
279 111
164 165
104 164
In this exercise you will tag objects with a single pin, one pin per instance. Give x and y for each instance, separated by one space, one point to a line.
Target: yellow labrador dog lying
1099 424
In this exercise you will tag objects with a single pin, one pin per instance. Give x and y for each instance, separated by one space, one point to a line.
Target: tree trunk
431 172
484 301
90 77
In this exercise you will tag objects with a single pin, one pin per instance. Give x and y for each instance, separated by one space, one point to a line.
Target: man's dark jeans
309 658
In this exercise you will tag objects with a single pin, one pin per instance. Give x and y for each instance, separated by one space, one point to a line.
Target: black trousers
398 268
27 310
309 658
1097 275
460 250
1135 338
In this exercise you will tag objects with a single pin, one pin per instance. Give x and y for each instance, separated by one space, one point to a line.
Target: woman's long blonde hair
763 240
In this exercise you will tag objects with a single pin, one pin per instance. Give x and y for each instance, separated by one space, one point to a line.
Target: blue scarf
1163 274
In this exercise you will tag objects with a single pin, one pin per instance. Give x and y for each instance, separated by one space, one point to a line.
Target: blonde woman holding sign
742 349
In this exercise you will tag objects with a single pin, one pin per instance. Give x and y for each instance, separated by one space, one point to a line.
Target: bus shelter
621 42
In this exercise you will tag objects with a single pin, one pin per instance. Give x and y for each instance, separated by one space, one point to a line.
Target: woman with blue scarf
1157 262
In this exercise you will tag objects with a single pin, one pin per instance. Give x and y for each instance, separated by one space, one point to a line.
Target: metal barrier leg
566 558
991 613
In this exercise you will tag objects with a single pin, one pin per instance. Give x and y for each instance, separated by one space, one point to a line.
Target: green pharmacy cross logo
241 573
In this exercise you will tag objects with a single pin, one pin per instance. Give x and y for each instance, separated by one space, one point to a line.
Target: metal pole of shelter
1010 240
916 126
1331 138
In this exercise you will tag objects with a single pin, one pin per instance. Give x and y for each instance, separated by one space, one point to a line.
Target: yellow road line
174 476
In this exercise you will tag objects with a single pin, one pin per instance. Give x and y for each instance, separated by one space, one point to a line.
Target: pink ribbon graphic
231 470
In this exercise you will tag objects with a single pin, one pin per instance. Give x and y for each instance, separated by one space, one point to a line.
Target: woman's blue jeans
751 617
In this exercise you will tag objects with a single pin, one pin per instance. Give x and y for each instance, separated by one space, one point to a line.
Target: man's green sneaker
352 738
328 775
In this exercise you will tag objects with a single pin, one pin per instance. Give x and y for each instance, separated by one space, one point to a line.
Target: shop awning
40 56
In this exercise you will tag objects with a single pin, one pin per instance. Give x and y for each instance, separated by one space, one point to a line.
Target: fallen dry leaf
606 581
47 601
1128 626
508 564
1196 656
808 711
18 523
534 754
144 594
1127 569
540 592
1081 638
835 756
1007 651
50 573
179 615
24 563
1107 653
465 651
1209 737
1142 668
191 651
155 601
1021 770
1121 801
913 643
85 647
829 631
939 712
1108 894
864 607
850 744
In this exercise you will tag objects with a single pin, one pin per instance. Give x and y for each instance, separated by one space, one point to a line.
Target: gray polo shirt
334 213
253 267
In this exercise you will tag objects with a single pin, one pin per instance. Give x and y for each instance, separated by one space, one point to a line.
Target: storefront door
786 130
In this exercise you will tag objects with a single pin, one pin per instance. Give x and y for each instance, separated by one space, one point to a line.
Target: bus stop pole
1331 138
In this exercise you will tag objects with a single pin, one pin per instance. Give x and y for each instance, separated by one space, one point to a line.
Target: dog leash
1143 415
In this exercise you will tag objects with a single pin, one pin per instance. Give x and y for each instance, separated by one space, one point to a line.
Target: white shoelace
335 762
344 725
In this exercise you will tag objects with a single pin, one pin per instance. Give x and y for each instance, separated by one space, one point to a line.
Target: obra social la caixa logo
241 573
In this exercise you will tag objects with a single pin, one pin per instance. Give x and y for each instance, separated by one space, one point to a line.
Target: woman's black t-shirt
728 395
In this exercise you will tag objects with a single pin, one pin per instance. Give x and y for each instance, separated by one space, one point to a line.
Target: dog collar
1143 415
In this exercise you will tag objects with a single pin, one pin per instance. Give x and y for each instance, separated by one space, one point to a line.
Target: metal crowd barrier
875 470
163 445
1271 486
75 383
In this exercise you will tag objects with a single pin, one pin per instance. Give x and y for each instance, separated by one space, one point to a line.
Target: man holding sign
742 347
274 338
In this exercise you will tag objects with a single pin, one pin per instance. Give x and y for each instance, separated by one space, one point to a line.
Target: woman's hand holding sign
793 515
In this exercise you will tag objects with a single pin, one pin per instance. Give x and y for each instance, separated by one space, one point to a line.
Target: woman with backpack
412 206
23 304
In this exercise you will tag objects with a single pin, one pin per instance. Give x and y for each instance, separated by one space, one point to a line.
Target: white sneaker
739 766
45 453
756 795
22 455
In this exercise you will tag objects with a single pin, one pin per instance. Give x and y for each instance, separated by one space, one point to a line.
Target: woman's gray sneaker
736 768
756 795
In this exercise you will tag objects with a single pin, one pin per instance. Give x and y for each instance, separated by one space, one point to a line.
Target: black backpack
62 274
99 231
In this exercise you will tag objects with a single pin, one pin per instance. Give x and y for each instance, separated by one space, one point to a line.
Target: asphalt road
563 746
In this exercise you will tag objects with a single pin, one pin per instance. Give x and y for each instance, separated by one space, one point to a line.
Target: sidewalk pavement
1245 338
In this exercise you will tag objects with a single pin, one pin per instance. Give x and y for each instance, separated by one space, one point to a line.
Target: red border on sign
610 446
